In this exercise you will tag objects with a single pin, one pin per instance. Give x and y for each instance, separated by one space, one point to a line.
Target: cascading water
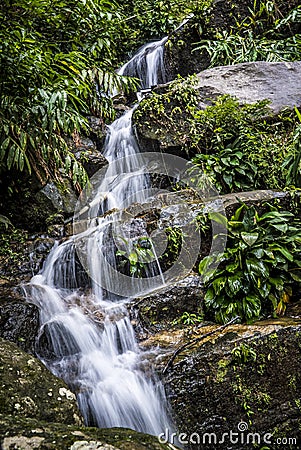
86 336
147 65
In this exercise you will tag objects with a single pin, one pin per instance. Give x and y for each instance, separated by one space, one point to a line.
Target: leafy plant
261 36
260 267
229 169
243 353
5 221
238 148
292 162
188 319
152 19
137 256
57 67
230 49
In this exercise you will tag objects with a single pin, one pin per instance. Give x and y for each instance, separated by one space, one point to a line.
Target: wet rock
179 49
30 206
87 149
245 379
157 310
19 322
21 257
29 390
63 199
97 128
27 434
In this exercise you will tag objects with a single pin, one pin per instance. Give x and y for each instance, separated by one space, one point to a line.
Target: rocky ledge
244 380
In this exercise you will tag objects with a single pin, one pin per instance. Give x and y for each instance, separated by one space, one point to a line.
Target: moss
28 389
59 436
222 369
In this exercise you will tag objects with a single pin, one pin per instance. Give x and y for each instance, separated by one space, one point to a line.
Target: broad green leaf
218 218
133 258
232 267
249 238
235 283
296 276
281 227
258 267
258 253
284 252
210 295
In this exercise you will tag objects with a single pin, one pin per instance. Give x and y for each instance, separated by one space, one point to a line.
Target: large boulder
38 411
239 387
248 82
29 390
159 309
278 82
19 322
27 434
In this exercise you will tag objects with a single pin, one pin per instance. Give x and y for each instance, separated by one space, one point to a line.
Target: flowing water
147 65
86 336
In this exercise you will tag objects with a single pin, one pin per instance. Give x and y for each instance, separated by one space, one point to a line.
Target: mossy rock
28 434
29 390
243 377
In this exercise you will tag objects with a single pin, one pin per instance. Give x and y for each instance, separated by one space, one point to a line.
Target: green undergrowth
264 33
236 147
260 270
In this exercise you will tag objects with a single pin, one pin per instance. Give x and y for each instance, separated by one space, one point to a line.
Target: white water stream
147 64
86 336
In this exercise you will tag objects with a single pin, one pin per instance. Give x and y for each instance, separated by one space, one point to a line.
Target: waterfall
147 65
86 336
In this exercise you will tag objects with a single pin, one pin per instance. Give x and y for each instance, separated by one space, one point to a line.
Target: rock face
250 82
87 150
157 311
37 410
19 322
246 380
28 434
29 390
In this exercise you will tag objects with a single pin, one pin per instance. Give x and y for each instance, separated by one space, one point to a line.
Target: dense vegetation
260 269
264 34
240 148
236 147
58 61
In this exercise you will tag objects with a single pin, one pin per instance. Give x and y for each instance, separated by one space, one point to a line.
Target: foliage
5 221
261 36
236 147
189 319
57 67
147 20
169 110
242 354
292 161
12 242
241 148
260 267
136 257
